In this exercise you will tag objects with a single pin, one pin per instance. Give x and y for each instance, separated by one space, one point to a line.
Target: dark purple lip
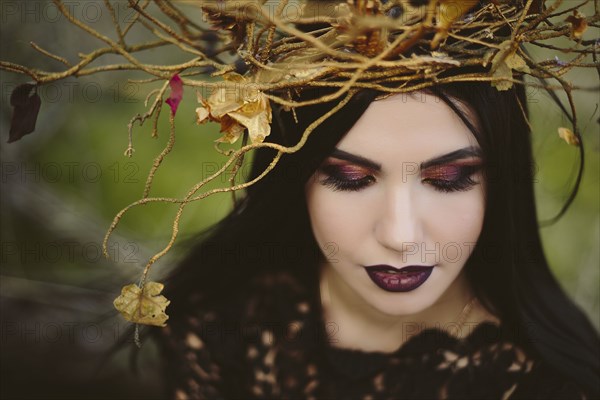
402 279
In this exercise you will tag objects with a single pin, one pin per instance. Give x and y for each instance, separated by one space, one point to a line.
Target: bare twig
283 57
47 53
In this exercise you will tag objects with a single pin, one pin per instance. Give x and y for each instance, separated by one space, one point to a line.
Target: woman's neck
353 323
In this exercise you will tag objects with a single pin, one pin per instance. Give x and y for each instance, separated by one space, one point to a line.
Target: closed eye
451 177
345 177
444 174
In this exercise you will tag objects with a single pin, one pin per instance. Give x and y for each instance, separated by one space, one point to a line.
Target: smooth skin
402 188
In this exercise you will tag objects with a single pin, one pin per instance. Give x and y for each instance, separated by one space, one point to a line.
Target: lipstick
393 279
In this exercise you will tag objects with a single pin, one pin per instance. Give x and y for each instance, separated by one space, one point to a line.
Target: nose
398 226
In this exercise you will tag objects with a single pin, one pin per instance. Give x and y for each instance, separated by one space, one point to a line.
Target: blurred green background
63 184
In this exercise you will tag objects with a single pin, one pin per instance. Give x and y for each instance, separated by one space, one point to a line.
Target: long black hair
269 229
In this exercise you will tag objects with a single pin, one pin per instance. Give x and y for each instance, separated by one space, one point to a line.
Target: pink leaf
176 93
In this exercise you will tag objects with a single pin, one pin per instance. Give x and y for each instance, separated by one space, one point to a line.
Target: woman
297 293
396 253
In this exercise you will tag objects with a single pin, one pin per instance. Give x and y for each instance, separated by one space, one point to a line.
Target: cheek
334 220
457 217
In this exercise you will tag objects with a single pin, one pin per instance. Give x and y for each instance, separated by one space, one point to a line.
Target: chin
401 304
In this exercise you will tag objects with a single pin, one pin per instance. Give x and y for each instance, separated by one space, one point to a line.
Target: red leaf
176 93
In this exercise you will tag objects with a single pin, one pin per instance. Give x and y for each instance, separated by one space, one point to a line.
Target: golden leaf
238 108
231 129
145 306
516 62
202 114
448 12
258 123
220 19
223 101
578 24
568 136
504 62
362 26
487 57
300 64
502 71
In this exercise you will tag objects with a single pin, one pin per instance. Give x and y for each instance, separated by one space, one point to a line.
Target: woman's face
402 188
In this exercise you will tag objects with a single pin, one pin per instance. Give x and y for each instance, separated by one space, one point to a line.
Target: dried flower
237 109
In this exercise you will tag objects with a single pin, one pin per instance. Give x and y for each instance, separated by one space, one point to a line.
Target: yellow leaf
448 12
234 77
223 101
237 108
202 115
231 129
568 136
258 125
145 306
516 62
502 71
578 24
255 115
504 62
487 57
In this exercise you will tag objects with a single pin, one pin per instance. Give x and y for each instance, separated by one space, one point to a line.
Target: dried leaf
487 57
202 114
145 306
239 108
176 93
568 136
516 62
502 71
448 12
362 26
303 64
231 129
436 58
234 26
26 103
578 24
504 62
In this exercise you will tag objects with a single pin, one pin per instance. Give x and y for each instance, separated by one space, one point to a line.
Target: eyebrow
440 160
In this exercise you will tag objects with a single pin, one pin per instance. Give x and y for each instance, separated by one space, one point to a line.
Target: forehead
406 127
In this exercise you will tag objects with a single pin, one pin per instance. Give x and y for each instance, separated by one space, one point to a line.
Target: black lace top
272 344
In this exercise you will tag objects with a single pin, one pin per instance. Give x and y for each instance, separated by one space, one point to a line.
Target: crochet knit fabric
271 343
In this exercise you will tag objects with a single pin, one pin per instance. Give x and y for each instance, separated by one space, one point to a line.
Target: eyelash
463 182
